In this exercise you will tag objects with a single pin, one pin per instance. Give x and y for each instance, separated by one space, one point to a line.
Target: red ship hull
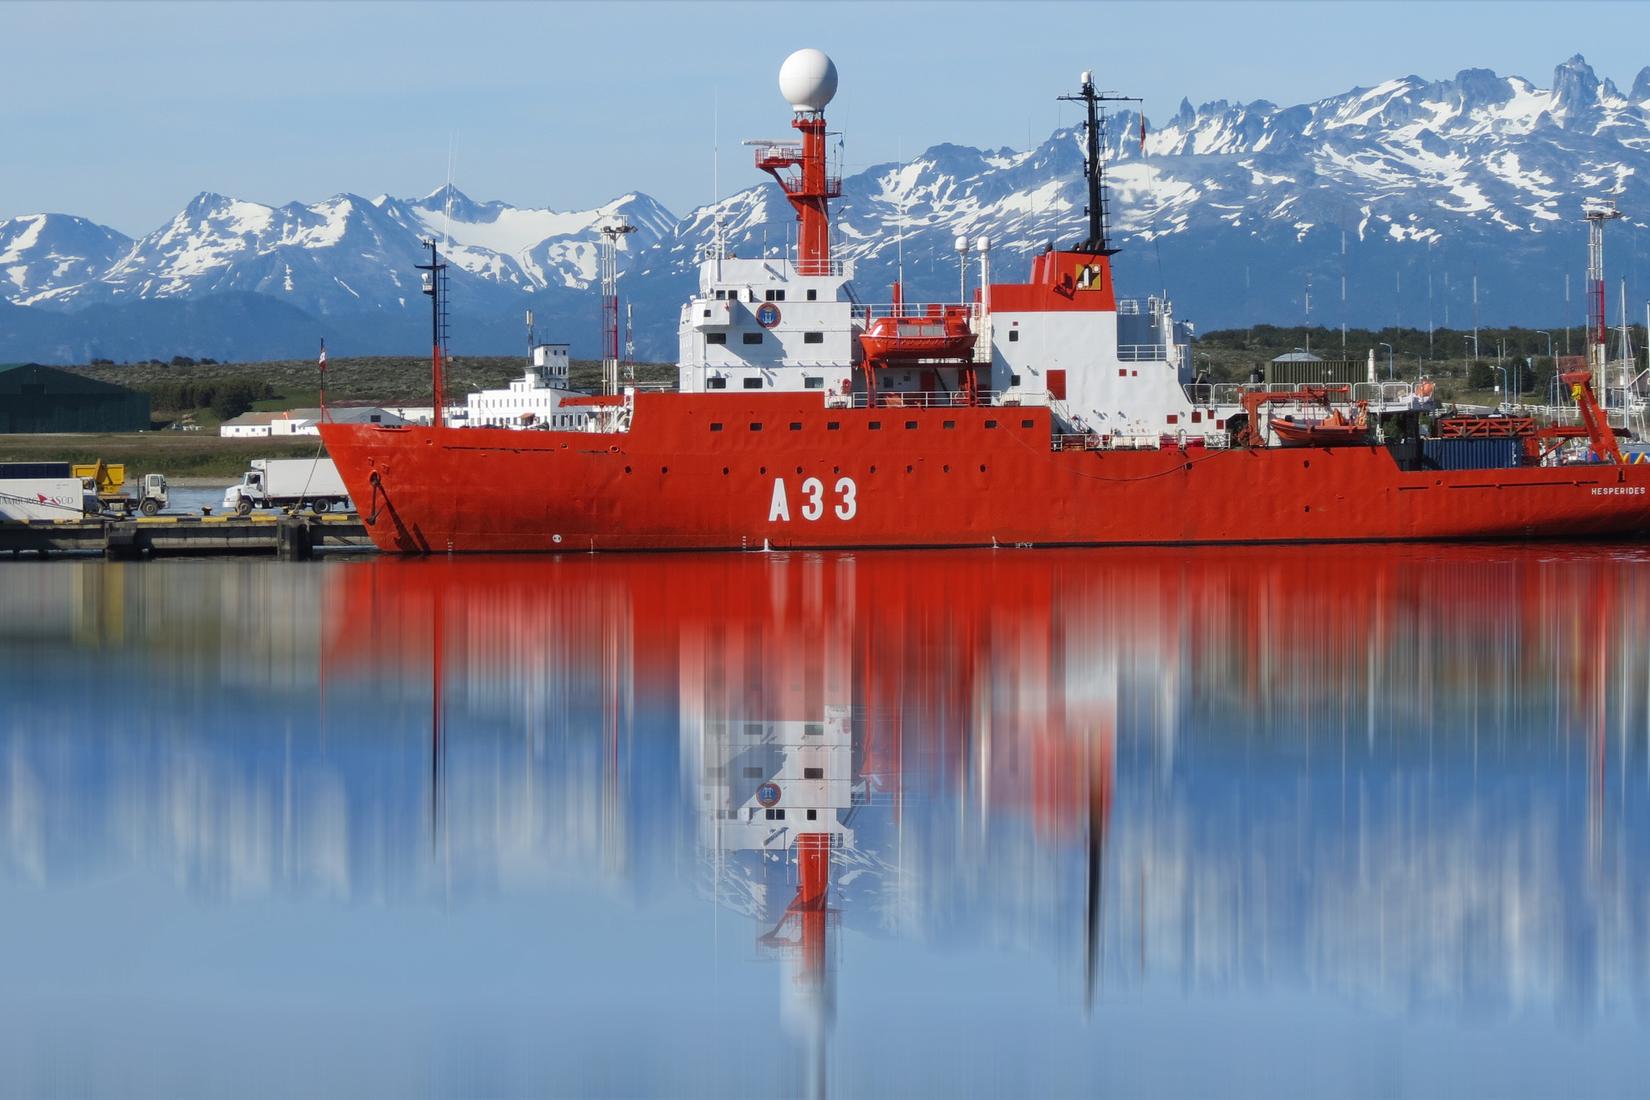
720 472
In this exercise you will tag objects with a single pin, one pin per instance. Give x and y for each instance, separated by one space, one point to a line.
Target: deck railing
946 399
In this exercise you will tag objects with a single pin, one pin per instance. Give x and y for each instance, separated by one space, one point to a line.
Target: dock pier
289 537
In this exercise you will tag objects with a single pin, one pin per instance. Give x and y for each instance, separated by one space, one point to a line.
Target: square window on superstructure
875 426
716 383
813 295
756 426
813 773
991 423
910 425
949 424
753 383
813 337
1014 380
813 729
1014 336
813 382
796 425
715 426
717 338
752 337
833 425
813 815
1027 423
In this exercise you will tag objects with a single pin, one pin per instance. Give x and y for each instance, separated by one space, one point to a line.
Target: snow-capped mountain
1404 191
43 250
1385 201
345 255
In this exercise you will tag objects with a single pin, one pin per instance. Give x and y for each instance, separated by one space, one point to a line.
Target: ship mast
1094 168
807 80
435 285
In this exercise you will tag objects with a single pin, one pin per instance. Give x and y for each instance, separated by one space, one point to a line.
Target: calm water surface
1237 822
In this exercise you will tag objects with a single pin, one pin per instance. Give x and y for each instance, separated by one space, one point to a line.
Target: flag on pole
321 365
1142 133
323 361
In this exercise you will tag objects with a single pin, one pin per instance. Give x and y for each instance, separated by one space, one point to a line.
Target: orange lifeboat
934 336
1334 430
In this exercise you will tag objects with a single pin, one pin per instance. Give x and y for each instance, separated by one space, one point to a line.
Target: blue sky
122 112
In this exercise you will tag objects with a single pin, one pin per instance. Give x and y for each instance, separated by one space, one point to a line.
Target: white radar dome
807 80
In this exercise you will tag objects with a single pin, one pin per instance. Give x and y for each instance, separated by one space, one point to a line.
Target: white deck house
535 400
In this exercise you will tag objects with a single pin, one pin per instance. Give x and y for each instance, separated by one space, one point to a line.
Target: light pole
1504 393
1549 336
1388 347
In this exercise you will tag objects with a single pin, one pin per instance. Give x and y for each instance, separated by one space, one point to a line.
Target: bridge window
716 337
813 773
752 337
813 382
775 295
753 383
813 337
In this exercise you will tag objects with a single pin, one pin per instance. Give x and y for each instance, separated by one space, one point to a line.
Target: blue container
1469 454
32 470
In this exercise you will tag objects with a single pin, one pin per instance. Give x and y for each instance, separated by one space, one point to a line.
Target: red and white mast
1597 212
807 80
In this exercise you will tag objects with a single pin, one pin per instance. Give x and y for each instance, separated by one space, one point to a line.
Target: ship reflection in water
1238 821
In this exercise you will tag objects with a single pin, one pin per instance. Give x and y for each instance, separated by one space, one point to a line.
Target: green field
175 454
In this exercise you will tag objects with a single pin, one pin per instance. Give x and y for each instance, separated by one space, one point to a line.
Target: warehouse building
43 399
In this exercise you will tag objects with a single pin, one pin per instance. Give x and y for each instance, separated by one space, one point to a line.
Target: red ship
1038 413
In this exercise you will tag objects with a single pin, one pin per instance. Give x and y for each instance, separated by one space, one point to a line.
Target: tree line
226 397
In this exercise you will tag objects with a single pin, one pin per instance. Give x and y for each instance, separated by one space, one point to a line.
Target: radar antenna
1094 169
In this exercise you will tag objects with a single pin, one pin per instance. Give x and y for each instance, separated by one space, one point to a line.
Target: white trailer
45 498
285 483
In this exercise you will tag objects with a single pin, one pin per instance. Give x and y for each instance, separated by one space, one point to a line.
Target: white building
535 400
252 425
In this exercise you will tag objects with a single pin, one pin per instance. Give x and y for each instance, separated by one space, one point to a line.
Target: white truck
287 482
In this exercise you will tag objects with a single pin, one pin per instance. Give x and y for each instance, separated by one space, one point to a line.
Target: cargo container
44 497
1470 454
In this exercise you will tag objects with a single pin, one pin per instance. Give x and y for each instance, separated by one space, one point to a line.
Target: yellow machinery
108 480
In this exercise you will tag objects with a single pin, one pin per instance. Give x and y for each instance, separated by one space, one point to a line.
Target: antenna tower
1094 167
610 304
